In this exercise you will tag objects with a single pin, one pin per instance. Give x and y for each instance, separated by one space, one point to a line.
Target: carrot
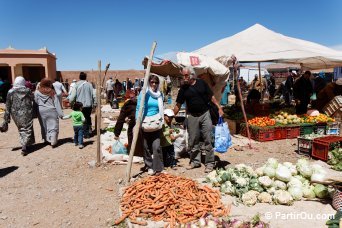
119 220
142 223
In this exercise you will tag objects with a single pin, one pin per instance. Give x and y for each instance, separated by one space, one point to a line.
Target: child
77 122
167 139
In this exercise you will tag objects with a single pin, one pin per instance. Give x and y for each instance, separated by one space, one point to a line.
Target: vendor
328 93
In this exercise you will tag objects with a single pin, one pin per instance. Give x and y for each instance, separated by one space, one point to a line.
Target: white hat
339 81
169 112
74 80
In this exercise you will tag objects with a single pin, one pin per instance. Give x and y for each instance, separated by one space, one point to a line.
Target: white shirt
109 84
72 86
59 88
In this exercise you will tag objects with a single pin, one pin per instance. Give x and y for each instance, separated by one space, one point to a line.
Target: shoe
208 168
24 151
81 146
144 169
150 172
193 166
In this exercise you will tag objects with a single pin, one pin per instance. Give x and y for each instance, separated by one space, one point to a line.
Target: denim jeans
78 136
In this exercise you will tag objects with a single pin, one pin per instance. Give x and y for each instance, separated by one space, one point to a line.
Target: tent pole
261 84
98 114
242 106
140 113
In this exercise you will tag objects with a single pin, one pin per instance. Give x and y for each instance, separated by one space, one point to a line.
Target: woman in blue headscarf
19 106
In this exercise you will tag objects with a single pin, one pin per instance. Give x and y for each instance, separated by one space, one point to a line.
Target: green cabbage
283 173
269 171
296 192
272 162
308 192
321 191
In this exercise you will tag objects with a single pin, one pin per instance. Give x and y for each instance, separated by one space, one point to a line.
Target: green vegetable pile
335 221
335 159
273 183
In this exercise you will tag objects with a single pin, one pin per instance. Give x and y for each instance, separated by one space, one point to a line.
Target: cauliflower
240 167
265 181
211 177
282 197
279 185
250 198
272 162
241 182
260 171
265 197
227 188
271 190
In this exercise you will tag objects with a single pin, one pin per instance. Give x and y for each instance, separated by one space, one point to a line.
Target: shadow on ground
8 170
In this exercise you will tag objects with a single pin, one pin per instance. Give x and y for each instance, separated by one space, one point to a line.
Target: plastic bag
223 139
118 148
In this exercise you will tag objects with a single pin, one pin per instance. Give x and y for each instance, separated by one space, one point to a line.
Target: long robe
19 106
49 109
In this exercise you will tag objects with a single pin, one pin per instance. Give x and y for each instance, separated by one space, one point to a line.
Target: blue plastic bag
223 139
118 148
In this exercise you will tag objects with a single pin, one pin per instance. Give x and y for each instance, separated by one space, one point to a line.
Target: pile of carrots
173 199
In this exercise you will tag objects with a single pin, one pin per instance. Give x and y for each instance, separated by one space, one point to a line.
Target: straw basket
337 200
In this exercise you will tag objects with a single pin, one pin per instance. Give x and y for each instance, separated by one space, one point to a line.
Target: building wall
92 75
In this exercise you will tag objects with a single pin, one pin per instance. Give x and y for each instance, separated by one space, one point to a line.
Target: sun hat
169 112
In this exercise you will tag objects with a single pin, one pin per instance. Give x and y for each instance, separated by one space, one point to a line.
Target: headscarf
157 95
19 82
45 87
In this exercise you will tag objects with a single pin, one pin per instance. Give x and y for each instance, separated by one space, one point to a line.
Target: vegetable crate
304 146
333 128
280 133
306 129
258 134
322 145
292 132
320 128
334 105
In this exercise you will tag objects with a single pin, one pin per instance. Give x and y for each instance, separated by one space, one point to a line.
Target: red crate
321 146
292 132
280 133
258 134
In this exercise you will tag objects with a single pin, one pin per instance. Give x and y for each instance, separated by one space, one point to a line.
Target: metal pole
261 84
140 113
98 114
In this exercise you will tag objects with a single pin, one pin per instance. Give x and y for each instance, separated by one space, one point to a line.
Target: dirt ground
56 187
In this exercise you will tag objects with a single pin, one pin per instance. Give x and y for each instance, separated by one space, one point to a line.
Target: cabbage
265 197
294 182
283 173
302 179
296 192
269 171
279 185
318 177
302 161
305 170
282 197
272 162
308 192
260 171
321 191
211 177
250 198
265 181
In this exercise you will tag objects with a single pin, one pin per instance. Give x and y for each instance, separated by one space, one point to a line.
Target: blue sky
121 32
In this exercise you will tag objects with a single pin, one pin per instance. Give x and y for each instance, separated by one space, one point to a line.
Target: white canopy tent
259 44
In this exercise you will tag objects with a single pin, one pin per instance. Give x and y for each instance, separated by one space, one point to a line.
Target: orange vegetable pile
173 199
261 121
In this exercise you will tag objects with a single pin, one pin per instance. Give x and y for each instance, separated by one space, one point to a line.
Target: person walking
110 90
59 89
49 110
197 95
77 123
151 126
84 93
19 106
127 114
289 83
302 91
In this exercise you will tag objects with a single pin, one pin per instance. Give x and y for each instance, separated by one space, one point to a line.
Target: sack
223 139
118 148
4 127
152 123
214 114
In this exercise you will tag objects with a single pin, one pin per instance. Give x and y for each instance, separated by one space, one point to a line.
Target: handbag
152 123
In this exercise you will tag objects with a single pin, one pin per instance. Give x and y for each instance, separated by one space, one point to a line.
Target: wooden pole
98 114
261 84
140 113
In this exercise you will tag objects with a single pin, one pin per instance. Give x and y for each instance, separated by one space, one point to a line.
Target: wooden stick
98 114
140 113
